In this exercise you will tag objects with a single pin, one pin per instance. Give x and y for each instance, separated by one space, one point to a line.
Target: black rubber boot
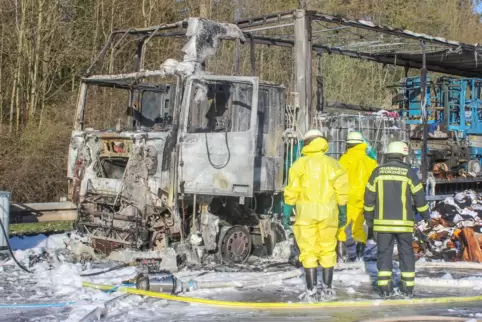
327 293
310 295
340 252
311 278
406 291
360 251
386 291
327 277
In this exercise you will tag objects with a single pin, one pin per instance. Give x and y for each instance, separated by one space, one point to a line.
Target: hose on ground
107 270
11 251
290 306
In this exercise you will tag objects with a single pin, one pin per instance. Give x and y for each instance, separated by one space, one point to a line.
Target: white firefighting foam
56 279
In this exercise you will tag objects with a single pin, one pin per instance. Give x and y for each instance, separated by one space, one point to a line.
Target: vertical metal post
406 93
139 55
252 55
423 86
237 49
194 208
309 72
237 54
303 68
445 87
463 93
319 86
79 112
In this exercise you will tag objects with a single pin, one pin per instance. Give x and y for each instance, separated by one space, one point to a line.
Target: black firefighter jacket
392 191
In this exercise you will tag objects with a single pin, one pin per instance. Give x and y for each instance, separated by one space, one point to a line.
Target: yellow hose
281 305
98 286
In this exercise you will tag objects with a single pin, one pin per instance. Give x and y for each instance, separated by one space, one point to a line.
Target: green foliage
39 228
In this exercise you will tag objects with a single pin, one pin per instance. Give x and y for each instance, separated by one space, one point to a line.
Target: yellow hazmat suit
359 167
316 186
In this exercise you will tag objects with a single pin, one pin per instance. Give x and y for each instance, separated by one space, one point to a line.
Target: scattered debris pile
457 230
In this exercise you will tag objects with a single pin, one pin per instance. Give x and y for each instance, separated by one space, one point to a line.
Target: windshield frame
129 82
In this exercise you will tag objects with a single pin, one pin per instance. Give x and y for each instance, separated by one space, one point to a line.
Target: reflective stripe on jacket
392 191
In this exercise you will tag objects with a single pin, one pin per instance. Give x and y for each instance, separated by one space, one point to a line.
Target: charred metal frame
301 39
144 36
105 80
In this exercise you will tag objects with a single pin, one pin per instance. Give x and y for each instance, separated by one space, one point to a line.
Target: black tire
236 245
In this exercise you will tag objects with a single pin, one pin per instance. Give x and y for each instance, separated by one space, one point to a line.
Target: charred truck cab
194 162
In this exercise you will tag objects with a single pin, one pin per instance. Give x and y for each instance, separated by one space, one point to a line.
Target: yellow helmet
311 134
398 147
354 138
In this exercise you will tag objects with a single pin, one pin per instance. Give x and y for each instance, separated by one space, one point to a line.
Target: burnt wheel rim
236 245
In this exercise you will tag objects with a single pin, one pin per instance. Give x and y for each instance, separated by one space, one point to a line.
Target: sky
478 8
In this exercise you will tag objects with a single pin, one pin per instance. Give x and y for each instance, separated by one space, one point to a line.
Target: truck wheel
235 246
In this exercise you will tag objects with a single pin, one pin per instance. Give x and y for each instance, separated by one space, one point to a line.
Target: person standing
318 189
391 191
359 167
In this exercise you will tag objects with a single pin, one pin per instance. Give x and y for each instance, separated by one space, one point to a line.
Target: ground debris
456 233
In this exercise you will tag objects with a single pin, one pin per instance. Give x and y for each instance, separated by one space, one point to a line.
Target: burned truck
194 159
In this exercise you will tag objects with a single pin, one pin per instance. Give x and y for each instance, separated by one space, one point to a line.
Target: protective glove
342 216
370 151
287 211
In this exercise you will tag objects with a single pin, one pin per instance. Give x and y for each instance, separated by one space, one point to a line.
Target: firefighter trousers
385 242
355 217
317 243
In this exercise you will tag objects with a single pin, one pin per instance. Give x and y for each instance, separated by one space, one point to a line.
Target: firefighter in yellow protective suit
318 188
359 167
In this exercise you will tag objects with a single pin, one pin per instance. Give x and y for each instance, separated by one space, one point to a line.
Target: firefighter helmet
398 147
354 138
311 134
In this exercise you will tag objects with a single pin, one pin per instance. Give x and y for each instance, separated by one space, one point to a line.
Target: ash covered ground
56 279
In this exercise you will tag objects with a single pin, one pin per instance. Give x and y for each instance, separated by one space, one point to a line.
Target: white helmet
312 134
398 147
354 138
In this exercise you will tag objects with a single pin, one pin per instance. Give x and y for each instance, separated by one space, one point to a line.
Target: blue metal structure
454 111
460 99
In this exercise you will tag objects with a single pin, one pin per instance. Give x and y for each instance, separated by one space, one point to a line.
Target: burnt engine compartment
112 226
117 205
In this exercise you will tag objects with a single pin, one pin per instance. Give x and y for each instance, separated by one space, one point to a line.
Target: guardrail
42 212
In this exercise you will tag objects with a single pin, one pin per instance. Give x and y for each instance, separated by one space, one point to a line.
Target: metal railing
42 212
